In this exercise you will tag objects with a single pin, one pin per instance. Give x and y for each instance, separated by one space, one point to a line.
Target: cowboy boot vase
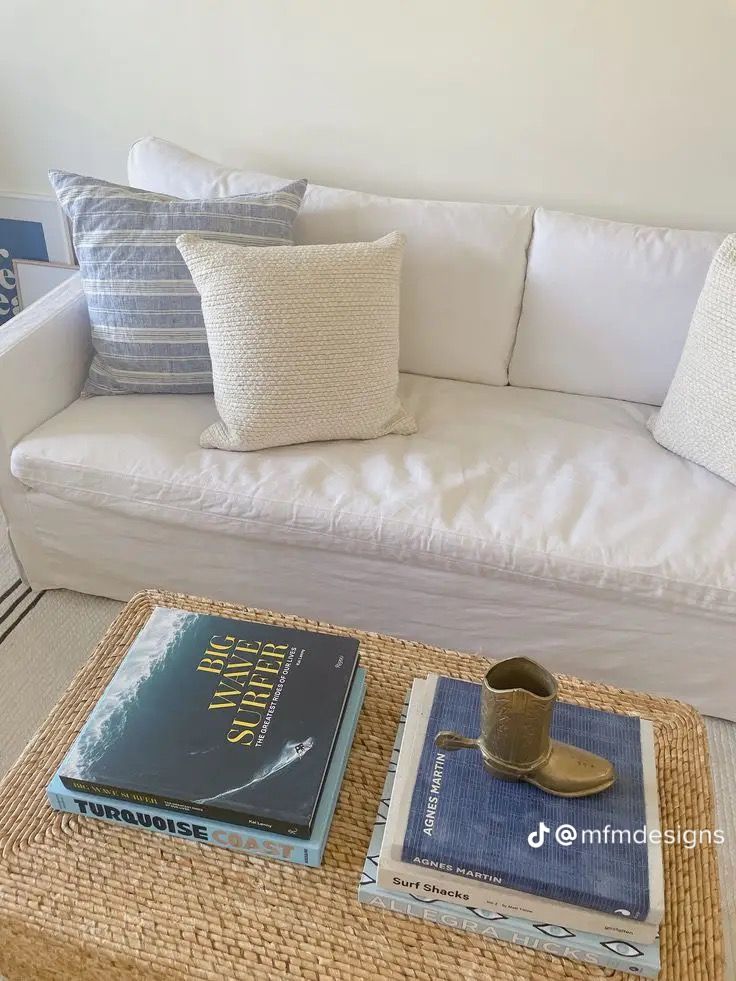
517 700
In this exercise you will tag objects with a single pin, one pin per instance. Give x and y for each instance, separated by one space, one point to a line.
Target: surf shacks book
227 719
464 822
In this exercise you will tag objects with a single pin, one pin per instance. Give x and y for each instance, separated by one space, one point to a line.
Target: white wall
623 108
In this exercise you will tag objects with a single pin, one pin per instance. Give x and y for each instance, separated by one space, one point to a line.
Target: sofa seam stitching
527 251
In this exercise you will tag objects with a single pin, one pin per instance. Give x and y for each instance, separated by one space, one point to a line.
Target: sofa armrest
44 357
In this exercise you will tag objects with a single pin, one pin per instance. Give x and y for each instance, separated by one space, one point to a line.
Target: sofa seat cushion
567 489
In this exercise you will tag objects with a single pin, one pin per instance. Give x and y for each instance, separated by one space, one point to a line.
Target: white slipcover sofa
532 513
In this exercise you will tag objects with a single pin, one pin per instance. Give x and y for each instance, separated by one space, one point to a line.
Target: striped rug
46 636
16 603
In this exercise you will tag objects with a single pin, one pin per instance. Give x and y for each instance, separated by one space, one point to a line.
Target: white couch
532 513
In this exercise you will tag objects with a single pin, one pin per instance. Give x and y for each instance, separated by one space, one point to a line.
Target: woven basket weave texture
83 899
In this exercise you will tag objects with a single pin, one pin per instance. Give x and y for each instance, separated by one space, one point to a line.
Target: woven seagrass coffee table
81 899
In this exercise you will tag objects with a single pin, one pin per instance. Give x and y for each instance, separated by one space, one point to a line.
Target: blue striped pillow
147 328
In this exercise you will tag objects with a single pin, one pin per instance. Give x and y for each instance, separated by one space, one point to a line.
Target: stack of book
224 731
579 878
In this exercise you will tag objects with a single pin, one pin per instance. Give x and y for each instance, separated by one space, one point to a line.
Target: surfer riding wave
293 751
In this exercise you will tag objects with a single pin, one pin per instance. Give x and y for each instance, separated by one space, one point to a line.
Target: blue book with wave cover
464 822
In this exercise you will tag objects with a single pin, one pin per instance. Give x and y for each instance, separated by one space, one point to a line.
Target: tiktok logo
537 838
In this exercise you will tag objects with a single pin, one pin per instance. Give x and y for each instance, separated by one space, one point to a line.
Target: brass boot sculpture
517 700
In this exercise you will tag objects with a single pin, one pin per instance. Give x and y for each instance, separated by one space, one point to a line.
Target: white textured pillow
304 345
698 417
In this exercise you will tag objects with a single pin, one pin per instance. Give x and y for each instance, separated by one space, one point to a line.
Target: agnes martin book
457 834
490 921
219 718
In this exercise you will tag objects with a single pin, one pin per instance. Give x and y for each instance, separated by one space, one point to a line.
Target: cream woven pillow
698 417
304 341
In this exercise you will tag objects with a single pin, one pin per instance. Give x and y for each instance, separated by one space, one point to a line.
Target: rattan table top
81 899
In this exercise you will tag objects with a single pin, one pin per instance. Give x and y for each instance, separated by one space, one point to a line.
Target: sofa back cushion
607 306
464 264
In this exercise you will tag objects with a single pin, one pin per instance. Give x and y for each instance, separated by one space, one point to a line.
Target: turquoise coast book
248 841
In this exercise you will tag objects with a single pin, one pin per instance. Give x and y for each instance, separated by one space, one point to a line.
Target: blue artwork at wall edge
18 240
